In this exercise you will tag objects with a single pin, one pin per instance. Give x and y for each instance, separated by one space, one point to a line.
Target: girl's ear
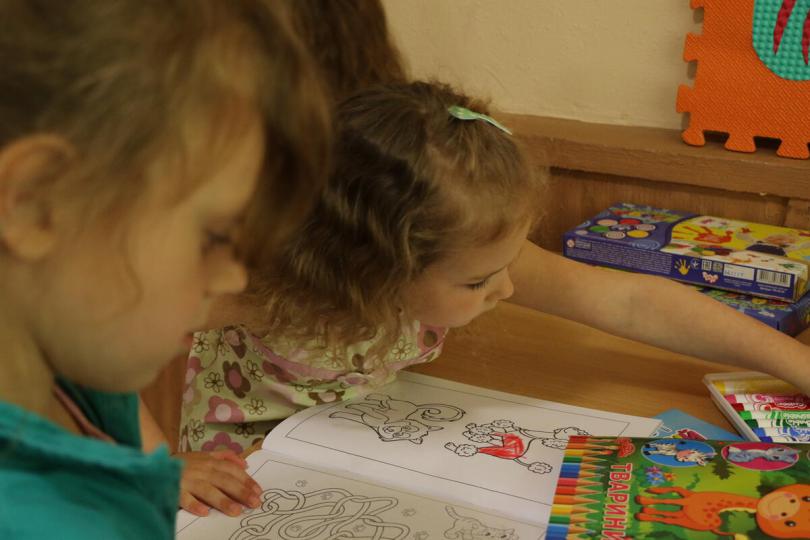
28 168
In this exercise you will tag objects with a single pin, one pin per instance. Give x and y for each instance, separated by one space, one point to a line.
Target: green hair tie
463 113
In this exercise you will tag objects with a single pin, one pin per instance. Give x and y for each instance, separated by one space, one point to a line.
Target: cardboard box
750 258
783 316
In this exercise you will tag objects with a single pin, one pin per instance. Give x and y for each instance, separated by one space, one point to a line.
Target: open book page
471 446
300 501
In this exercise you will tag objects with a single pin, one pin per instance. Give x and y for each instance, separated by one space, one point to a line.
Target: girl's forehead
486 258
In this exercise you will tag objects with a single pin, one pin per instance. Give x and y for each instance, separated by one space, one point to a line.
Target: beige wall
607 61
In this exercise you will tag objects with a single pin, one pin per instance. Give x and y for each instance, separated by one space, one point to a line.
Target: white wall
606 61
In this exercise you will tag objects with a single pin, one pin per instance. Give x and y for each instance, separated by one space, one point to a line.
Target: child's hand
216 480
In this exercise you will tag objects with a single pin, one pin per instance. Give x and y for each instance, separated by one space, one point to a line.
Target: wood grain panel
574 196
659 155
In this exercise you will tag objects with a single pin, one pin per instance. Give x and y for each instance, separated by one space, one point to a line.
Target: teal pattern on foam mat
788 61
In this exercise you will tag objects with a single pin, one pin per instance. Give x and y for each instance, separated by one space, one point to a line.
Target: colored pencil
586 452
587 439
582 459
575 518
572 499
563 531
578 482
567 509
577 468
574 529
574 490
590 446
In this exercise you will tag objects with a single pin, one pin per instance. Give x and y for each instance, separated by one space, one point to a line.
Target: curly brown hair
124 81
410 184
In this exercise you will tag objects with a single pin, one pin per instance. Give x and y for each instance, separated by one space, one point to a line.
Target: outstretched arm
210 479
657 311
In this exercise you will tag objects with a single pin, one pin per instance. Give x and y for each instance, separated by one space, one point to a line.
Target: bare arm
657 311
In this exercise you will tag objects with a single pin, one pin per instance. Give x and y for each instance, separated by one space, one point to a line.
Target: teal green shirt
54 484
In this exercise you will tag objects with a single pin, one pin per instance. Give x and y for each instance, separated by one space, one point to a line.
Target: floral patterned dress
239 386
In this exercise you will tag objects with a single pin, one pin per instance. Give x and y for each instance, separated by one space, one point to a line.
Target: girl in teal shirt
132 134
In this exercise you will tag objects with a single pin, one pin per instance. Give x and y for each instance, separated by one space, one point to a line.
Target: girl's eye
216 238
479 285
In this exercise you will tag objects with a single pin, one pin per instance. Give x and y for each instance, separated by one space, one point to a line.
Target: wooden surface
658 154
517 350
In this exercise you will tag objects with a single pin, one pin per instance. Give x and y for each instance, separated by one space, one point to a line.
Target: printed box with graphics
783 316
761 260
681 489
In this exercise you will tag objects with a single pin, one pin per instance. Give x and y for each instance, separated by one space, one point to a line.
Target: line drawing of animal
509 441
467 528
775 453
782 513
689 455
398 420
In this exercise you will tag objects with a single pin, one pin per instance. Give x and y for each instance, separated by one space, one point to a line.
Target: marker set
760 407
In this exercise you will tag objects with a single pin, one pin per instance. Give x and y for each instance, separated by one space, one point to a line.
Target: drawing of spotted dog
508 441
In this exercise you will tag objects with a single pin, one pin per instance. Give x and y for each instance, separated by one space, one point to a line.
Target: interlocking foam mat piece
753 75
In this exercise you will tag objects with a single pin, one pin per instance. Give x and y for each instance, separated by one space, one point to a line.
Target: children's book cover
681 489
677 424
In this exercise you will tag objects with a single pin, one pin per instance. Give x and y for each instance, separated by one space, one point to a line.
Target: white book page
302 502
472 446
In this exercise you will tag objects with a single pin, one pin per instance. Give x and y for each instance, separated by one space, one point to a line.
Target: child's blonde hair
411 183
123 81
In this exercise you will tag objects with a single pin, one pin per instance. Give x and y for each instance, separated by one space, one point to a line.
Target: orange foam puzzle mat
753 75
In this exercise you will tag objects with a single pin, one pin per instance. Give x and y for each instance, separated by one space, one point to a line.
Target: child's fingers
219 483
235 467
216 466
230 456
190 503
234 481
205 492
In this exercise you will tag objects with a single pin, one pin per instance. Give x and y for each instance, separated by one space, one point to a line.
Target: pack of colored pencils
761 407
681 489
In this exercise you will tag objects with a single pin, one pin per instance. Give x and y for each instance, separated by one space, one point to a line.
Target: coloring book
681 489
422 458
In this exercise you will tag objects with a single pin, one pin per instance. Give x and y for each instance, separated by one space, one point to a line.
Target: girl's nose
226 275
505 288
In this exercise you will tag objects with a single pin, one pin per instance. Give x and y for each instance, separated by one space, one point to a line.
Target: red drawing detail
512 447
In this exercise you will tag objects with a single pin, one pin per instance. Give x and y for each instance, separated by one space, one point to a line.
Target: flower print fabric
239 386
